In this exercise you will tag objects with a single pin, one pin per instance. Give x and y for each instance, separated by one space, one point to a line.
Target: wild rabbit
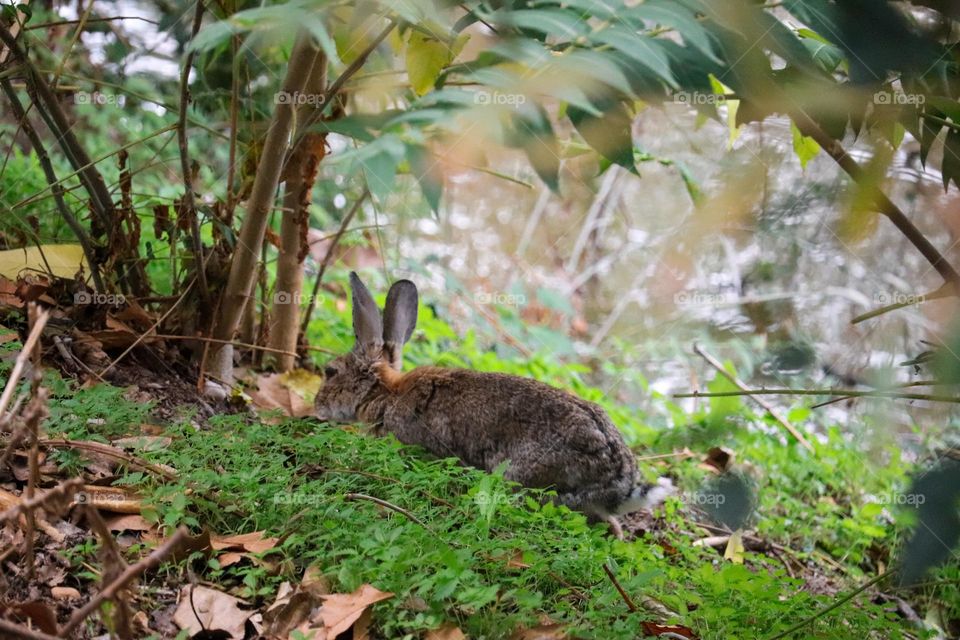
551 438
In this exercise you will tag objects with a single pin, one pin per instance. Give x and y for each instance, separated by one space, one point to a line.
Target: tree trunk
299 177
243 268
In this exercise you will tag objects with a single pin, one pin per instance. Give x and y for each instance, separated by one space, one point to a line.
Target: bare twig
64 490
109 592
945 291
49 108
839 603
189 206
776 415
392 507
21 115
28 346
835 150
245 345
110 452
328 257
151 329
852 393
11 630
623 594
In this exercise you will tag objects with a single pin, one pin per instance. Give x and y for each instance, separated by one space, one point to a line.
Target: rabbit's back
552 438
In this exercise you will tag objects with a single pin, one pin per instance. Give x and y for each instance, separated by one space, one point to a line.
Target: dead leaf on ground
201 608
654 629
289 392
253 542
8 293
38 614
341 610
116 499
293 604
6 335
130 522
238 547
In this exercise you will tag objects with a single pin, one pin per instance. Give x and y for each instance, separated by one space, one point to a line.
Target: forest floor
166 514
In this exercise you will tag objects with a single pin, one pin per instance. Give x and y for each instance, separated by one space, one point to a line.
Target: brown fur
550 438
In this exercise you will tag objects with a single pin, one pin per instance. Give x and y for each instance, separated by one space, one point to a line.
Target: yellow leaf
61 260
734 550
427 55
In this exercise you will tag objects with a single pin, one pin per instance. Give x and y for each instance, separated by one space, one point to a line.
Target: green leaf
212 35
805 147
551 22
672 14
641 49
951 158
609 134
427 55
529 128
424 167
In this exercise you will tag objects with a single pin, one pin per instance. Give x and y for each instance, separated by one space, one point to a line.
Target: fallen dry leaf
654 629
293 605
116 499
215 611
253 542
130 522
285 391
6 335
341 610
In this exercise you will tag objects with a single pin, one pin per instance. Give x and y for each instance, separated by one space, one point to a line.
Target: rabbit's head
353 379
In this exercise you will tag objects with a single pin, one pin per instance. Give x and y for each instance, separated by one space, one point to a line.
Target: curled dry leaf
341 610
131 522
116 499
291 392
201 608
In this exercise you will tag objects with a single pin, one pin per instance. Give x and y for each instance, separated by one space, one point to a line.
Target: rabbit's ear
399 319
367 326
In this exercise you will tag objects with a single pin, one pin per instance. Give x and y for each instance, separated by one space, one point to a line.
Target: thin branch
60 23
155 325
835 150
12 630
342 79
623 594
49 108
150 562
392 507
328 257
21 115
822 392
945 291
24 355
110 452
713 362
189 206
63 491
839 603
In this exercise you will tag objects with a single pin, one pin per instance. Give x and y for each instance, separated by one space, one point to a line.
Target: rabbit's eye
329 372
